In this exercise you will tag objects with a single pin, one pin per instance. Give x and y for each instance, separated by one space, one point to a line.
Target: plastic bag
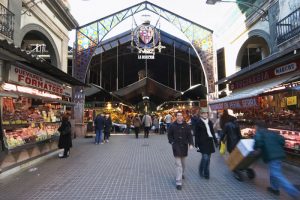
222 148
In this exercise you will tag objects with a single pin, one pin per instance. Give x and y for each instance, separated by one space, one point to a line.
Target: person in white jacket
147 122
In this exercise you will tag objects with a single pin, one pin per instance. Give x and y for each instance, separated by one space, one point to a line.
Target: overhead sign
237 104
26 78
263 76
146 39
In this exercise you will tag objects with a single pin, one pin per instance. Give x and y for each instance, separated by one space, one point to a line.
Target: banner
237 104
26 78
291 101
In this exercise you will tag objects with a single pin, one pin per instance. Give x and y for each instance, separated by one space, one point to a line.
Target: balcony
288 27
7 19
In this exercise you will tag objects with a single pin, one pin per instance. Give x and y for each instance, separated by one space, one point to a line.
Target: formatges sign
26 78
237 104
263 76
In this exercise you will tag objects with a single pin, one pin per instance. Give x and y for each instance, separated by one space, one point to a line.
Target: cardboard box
239 157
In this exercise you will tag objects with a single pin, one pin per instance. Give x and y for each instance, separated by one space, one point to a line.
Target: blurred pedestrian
65 138
180 137
168 120
217 126
137 124
99 126
271 146
232 134
205 140
107 127
155 124
128 124
147 122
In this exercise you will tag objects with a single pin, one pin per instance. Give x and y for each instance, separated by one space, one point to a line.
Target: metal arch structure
89 37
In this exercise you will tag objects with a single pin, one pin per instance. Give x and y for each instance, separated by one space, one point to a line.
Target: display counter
292 142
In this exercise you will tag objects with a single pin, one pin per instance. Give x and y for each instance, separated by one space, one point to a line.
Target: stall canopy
195 92
249 92
156 91
97 93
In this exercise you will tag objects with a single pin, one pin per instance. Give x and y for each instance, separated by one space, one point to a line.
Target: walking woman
65 139
204 140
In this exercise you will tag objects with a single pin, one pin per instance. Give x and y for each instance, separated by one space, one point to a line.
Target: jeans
98 138
179 166
204 165
106 135
168 126
278 180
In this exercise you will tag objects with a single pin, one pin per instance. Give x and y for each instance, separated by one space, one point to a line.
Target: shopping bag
222 148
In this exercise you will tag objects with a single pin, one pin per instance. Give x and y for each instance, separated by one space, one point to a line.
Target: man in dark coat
231 134
99 125
65 139
107 128
180 137
204 141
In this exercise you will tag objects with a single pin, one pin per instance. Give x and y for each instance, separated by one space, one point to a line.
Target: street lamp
249 5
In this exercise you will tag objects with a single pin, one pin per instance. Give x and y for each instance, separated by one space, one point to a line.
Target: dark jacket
231 135
107 124
180 136
65 138
202 140
99 123
270 143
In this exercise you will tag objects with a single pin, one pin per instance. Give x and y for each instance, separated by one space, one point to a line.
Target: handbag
222 148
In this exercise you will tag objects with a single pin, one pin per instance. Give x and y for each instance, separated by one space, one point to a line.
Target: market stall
272 95
32 104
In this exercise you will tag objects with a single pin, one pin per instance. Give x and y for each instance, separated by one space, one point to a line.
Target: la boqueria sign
237 104
26 78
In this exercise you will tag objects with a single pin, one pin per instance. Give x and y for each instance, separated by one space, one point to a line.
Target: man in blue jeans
271 147
99 125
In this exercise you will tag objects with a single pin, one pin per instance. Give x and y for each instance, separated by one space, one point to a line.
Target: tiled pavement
133 169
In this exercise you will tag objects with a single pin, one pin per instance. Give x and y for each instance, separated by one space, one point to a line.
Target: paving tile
132 169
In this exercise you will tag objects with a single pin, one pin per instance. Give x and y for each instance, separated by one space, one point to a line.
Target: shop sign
285 69
237 104
290 101
263 76
26 78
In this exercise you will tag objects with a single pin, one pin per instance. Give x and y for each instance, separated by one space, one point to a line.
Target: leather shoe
178 187
275 192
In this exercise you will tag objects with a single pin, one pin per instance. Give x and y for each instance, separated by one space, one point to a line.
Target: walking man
107 127
180 137
99 125
168 120
147 121
271 147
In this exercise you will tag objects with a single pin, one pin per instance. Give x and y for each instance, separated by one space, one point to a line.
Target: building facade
39 27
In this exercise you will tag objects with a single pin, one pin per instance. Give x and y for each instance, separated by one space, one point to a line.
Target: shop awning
250 92
156 91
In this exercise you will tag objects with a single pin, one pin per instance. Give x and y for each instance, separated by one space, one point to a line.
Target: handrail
7 20
288 27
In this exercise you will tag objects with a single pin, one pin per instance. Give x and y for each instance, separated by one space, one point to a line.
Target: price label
290 101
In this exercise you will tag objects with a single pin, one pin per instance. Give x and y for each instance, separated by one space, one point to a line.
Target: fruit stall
31 108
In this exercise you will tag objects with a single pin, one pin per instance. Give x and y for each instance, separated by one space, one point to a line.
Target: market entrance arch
90 36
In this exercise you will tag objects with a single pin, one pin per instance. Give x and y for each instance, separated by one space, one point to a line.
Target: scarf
207 127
